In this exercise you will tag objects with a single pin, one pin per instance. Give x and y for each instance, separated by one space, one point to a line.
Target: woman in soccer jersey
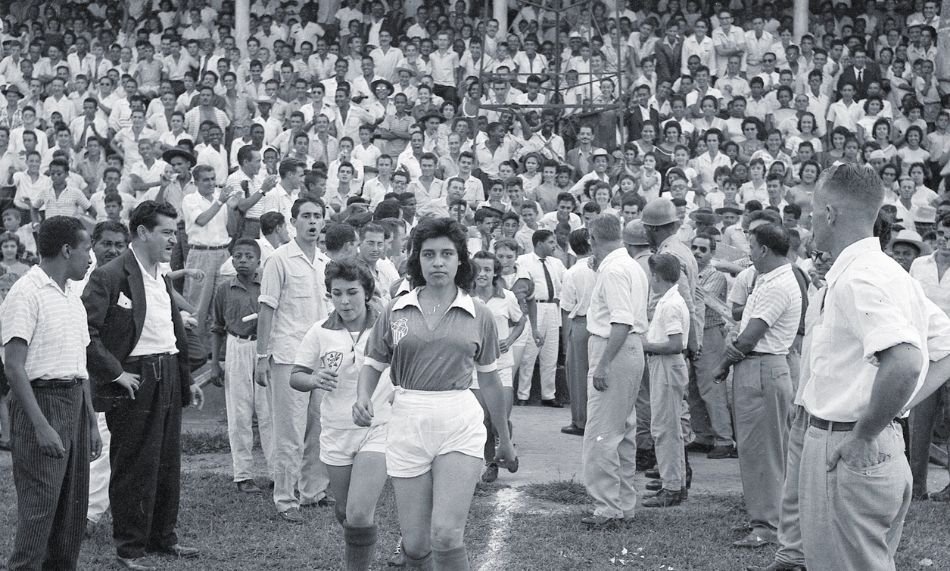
329 359
510 321
432 338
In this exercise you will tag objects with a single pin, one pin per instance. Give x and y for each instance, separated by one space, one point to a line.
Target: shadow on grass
204 442
695 536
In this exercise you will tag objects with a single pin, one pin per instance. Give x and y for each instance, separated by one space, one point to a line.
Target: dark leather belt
251 337
833 426
56 383
207 248
149 358
550 301
760 354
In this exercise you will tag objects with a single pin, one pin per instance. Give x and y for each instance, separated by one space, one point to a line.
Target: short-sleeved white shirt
619 296
671 317
776 299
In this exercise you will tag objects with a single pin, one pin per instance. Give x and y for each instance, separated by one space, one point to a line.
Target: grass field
541 532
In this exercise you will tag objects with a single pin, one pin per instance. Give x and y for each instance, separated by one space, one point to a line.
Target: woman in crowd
436 435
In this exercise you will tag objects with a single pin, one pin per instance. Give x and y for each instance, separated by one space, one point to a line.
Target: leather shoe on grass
137 564
654 486
552 403
572 430
490 474
594 522
521 402
722 452
292 516
249 487
652 473
180 551
664 499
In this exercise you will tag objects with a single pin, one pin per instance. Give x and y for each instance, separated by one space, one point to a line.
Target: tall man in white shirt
616 319
763 390
289 305
206 224
547 272
870 352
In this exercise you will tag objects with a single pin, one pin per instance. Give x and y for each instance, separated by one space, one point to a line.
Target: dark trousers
145 456
52 493
923 418
446 92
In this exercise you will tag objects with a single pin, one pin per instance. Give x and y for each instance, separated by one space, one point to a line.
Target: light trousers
610 449
577 367
762 402
852 518
295 426
668 380
199 293
99 474
790 550
244 398
709 402
549 321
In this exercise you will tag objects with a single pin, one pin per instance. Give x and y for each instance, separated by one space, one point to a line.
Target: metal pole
242 24
800 19
500 13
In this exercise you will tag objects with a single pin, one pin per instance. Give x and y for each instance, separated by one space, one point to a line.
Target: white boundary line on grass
507 502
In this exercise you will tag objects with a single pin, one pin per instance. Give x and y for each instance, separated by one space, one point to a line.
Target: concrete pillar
500 13
800 20
242 24
942 63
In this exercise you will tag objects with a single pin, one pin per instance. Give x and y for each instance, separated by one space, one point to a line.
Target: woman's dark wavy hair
486 255
430 228
350 270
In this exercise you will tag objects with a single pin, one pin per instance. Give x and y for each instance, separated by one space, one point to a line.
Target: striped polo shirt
441 359
51 321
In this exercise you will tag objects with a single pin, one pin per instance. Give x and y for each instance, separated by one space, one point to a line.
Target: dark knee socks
360 546
455 559
424 563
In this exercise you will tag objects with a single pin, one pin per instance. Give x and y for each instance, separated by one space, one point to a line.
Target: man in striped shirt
54 427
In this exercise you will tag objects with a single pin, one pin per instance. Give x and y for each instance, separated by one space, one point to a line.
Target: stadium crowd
380 225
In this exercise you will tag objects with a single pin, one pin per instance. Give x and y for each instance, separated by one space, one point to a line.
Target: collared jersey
505 310
576 289
329 345
439 359
51 321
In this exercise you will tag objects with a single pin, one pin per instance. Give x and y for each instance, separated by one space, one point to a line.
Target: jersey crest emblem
399 328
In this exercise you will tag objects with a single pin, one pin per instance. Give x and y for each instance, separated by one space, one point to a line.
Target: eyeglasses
768 60
700 249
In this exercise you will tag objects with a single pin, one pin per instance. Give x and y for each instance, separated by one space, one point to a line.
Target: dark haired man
138 359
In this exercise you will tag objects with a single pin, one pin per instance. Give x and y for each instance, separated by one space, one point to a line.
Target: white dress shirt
870 305
619 295
215 232
158 330
531 265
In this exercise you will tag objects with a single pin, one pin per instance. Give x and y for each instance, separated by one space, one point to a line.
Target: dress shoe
490 474
249 487
664 499
722 452
654 486
572 430
646 459
180 551
324 502
521 402
552 403
698 447
137 564
292 515
653 473
752 541
602 522
776 566
941 496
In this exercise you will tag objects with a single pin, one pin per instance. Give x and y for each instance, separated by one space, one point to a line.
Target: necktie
547 279
860 74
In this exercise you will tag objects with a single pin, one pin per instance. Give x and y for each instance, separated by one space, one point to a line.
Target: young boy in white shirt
664 346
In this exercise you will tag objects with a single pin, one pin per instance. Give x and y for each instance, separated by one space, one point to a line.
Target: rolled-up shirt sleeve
272 278
938 332
620 303
875 319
